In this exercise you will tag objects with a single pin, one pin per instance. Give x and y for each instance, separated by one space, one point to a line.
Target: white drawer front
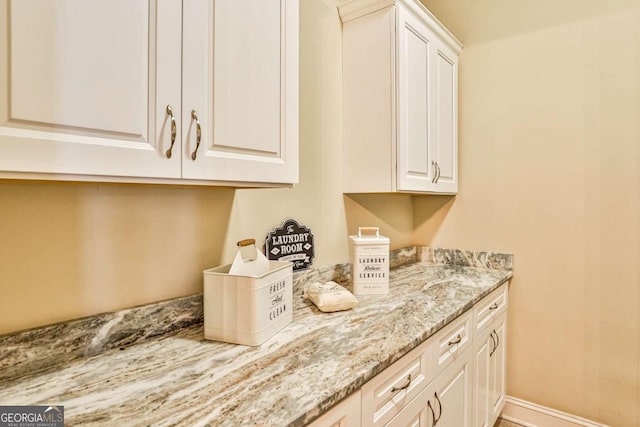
390 391
454 339
490 307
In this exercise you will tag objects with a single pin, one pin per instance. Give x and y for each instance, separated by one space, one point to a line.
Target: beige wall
74 250
550 170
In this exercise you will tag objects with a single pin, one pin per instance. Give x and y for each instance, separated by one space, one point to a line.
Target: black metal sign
291 242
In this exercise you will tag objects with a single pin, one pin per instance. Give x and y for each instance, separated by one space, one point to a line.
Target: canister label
371 265
277 302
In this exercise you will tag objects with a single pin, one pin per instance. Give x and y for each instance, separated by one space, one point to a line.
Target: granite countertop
310 365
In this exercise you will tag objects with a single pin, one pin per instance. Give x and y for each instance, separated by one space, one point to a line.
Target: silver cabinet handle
497 338
439 407
456 340
173 131
403 386
435 172
194 116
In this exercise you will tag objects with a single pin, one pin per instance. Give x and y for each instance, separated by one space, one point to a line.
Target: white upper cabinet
84 86
240 75
115 90
400 97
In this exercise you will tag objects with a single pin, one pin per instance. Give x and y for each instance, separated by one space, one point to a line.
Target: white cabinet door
453 393
498 367
490 373
84 86
427 109
240 76
444 138
416 170
482 349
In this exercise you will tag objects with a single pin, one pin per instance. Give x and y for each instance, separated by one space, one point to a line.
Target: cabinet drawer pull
456 340
194 116
438 172
494 347
173 131
405 385
435 172
439 409
494 306
433 414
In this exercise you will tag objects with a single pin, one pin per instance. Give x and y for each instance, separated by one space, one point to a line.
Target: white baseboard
531 415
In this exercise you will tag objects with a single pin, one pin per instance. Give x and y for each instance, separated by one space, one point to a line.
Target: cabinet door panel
481 353
240 62
497 380
455 394
415 170
45 72
417 108
246 77
78 86
445 140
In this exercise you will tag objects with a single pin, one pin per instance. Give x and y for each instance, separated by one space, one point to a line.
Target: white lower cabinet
396 396
498 369
452 391
445 402
489 378
456 378
482 347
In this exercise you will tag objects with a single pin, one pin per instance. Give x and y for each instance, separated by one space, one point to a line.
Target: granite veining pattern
495 260
404 256
314 362
42 348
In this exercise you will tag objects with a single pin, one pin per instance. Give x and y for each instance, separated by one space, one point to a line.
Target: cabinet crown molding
352 9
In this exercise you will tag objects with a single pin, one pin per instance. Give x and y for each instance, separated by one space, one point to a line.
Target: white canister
369 256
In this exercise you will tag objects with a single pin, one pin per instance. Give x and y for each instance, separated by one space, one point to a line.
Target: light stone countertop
310 365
